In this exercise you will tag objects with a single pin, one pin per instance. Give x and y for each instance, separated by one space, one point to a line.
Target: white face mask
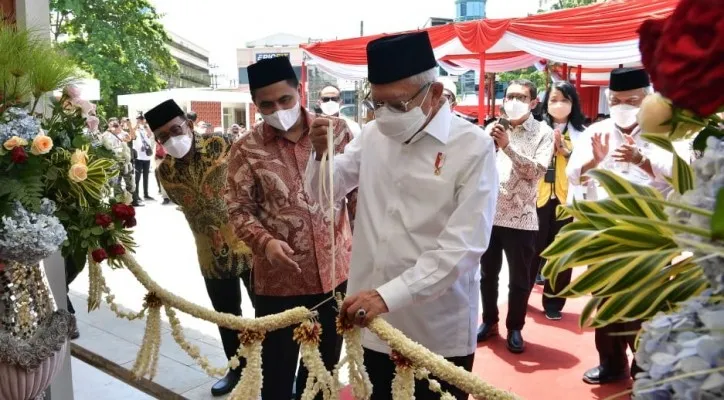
516 109
330 108
400 126
283 119
178 146
560 110
624 115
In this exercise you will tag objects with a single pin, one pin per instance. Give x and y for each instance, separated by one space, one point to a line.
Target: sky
222 26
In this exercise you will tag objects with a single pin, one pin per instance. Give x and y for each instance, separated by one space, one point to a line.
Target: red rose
99 255
103 220
117 250
129 223
687 58
650 32
123 211
18 155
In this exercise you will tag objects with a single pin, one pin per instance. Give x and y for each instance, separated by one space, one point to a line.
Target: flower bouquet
54 194
662 259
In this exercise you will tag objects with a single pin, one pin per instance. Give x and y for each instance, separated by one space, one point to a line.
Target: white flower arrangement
18 122
28 238
682 352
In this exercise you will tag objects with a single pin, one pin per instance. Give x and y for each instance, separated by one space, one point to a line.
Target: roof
278 39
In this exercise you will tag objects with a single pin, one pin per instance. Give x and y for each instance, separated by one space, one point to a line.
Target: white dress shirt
419 235
141 138
574 191
661 160
353 126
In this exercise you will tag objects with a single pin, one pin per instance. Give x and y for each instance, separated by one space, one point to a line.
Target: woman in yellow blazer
562 111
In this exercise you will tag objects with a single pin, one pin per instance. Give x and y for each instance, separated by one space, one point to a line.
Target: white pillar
248 122
34 15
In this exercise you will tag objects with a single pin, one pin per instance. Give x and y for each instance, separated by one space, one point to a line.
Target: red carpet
557 355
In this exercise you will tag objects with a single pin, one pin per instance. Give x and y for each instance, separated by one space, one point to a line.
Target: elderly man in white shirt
616 145
427 192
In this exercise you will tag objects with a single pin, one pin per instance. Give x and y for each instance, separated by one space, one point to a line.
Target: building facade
193 62
288 45
469 10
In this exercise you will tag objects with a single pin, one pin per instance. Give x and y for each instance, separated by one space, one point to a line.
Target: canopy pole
303 87
579 74
481 90
565 73
491 95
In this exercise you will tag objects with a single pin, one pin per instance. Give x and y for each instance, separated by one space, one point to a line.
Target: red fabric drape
472 111
479 36
354 51
589 96
613 21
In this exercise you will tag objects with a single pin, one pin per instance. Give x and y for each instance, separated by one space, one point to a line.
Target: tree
121 43
531 73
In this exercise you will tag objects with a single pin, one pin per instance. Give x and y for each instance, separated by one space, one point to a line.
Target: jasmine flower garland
18 122
28 238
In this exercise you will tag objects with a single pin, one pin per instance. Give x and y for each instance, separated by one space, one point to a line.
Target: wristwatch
643 160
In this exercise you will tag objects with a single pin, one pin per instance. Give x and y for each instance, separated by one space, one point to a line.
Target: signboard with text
265 56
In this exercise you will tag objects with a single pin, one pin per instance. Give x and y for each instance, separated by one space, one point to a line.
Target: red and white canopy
599 37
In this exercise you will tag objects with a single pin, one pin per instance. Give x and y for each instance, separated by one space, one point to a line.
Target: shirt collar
439 125
270 134
529 124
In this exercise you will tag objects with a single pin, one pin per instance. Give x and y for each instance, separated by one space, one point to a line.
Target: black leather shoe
226 384
515 342
486 331
600 376
74 332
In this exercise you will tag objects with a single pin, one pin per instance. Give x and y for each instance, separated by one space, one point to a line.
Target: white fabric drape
589 55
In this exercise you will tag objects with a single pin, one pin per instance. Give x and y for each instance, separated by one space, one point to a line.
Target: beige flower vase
33 334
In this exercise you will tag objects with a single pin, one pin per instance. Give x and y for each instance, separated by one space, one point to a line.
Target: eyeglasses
327 99
516 96
175 130
401 106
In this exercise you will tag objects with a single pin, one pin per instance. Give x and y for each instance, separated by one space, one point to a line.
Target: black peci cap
623 79
160 115
269 71
393 58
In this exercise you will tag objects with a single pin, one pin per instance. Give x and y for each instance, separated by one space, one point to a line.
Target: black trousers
519 248
143 168
548 228
72 270
612 347
225 296
280 352
381 370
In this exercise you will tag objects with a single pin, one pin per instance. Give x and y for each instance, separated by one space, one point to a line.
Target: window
227 118
475 9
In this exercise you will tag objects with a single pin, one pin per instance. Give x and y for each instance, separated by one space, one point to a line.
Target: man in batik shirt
193 173
287 231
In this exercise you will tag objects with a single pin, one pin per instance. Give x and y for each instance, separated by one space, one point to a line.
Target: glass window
475 8
227 118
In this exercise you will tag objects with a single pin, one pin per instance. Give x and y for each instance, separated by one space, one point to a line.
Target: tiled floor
92 384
